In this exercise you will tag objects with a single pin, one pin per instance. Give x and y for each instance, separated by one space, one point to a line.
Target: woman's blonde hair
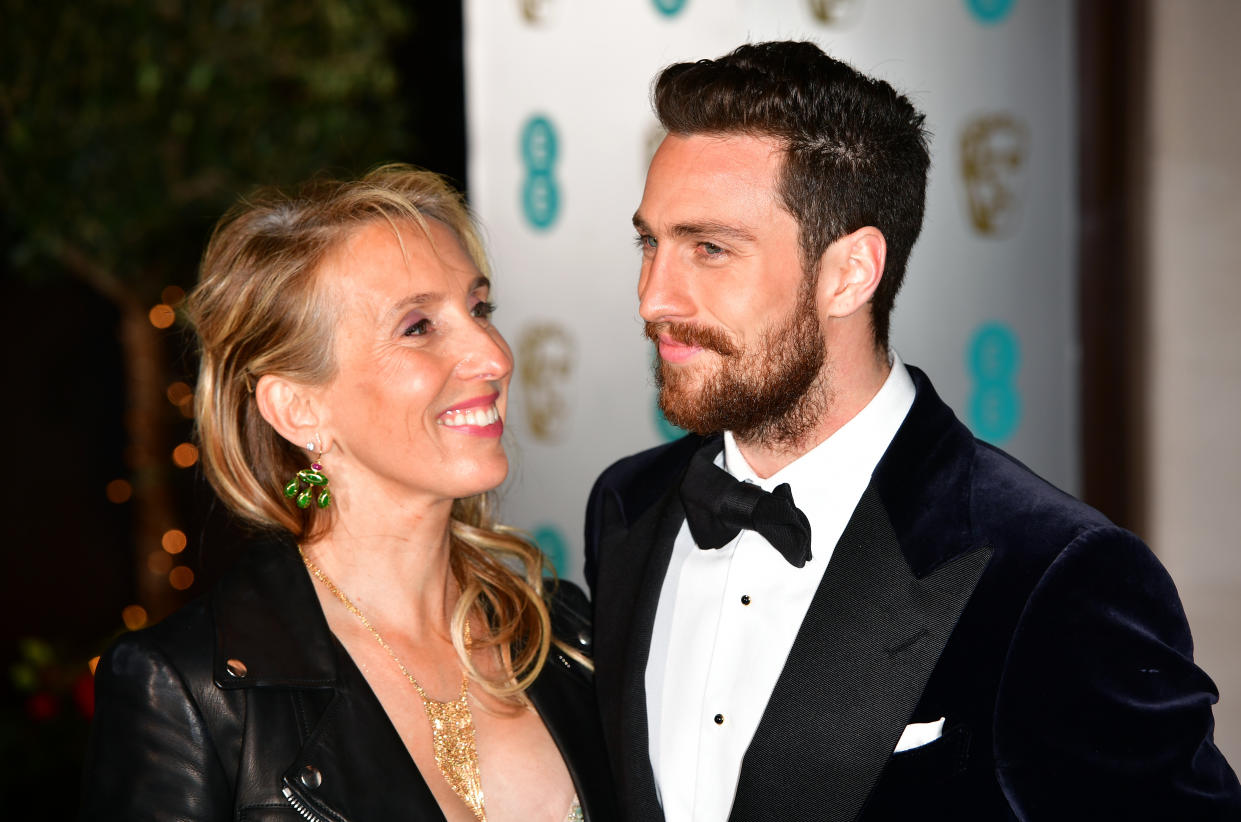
257 311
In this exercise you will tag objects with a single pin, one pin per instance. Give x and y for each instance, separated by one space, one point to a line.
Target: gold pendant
452 735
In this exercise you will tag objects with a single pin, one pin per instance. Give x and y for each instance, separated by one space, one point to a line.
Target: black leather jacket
243 706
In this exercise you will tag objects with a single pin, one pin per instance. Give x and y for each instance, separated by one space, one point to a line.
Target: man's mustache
712 339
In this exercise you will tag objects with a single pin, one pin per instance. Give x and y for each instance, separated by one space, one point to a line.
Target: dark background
85 148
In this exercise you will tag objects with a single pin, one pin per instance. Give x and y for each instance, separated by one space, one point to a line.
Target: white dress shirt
727 618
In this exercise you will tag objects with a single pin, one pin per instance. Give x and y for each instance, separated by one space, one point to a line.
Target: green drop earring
312 478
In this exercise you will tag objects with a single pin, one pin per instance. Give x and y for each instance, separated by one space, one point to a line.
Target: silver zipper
301 807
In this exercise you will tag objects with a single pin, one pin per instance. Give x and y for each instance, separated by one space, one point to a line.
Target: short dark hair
855 149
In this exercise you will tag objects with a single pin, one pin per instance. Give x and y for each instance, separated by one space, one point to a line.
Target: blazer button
311 777
236 668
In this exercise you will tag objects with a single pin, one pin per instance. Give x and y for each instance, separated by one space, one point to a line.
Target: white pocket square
917 734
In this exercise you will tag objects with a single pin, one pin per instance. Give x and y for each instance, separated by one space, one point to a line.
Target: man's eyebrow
710 228
704 228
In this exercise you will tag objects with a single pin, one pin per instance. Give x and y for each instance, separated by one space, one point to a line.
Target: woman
390 653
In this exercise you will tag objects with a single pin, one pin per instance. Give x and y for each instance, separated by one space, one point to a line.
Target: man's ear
851 270
289 408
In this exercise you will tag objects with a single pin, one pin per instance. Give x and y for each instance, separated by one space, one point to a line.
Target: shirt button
745 599
719 719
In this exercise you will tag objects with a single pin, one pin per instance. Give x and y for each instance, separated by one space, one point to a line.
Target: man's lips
672 351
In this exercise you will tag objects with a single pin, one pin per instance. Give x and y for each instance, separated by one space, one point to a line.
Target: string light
162 316
185 455
134 617
172 294
179 393
118 491
174 541
159 562
181 577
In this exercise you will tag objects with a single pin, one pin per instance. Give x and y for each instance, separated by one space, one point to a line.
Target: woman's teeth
475 416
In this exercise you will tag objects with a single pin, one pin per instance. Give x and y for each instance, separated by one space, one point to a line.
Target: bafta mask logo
835 12
536 12
545 361
994 153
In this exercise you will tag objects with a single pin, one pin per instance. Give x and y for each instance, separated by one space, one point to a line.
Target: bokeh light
174 541
172 294
185 455
93 664
159 562
134 617
118 491
181 577
180 393
162 316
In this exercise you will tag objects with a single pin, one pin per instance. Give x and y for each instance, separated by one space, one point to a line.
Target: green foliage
128 127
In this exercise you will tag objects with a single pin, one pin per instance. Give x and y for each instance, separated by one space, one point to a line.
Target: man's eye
483 308
645 241
712 249
419 328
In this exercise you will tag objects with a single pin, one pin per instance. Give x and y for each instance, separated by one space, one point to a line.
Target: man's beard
773 393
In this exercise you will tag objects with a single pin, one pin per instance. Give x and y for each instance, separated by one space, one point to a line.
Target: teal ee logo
552 543
990 12
669 8
667 431
992 359
540 194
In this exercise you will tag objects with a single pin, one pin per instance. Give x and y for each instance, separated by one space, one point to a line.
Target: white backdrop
560 133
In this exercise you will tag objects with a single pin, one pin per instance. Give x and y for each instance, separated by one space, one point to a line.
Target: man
955 639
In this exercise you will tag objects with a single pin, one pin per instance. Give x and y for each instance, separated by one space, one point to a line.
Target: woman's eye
483 309
419 328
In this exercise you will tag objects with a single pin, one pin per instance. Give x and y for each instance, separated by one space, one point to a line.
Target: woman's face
417 405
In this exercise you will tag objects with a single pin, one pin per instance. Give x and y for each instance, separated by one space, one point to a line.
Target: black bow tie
717 506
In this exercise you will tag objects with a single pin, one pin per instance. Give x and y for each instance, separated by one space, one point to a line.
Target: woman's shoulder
184 643
178 646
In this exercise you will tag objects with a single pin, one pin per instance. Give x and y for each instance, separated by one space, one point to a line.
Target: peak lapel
857 668
635 563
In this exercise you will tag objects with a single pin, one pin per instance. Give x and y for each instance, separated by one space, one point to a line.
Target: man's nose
662 292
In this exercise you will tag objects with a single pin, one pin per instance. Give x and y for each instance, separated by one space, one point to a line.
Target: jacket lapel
335 760
898 580
563 697
624 621
854 675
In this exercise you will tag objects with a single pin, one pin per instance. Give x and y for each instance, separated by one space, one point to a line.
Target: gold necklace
452 724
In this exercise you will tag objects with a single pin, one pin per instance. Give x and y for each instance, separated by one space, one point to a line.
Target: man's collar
858 444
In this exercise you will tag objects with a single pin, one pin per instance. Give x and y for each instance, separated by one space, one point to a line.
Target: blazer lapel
863 654
624 621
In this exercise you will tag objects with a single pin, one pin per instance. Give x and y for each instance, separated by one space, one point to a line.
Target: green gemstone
290 490
325 499
303 499
309 475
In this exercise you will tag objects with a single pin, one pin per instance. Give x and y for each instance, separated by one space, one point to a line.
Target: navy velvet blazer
965 587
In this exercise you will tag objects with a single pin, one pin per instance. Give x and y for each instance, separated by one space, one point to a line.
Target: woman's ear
289 408
856 260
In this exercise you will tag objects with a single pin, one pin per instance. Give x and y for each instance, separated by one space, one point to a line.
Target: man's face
723 293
